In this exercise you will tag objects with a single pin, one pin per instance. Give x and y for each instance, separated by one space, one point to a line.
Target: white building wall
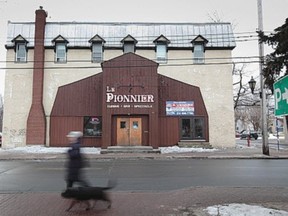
17 97
215 82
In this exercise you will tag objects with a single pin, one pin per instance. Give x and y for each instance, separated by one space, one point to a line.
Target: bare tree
241 116
248 116
242 93
246 105
238 87
215 17
255 117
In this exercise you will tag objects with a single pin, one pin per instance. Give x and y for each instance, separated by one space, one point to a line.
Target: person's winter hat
75 134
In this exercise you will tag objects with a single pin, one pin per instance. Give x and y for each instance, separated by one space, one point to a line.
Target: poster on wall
179 108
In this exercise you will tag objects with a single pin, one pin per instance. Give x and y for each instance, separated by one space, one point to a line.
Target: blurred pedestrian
75 160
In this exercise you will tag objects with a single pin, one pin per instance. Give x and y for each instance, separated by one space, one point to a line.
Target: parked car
252 135
237 134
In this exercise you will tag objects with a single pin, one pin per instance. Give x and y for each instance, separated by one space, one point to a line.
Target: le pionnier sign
127 100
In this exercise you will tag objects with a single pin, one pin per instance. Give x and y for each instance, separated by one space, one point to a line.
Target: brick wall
36 123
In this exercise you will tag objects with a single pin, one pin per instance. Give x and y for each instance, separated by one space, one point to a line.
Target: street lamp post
265 147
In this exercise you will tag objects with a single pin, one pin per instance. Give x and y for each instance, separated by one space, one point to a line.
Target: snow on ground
235 209
42 149
176 149
90 150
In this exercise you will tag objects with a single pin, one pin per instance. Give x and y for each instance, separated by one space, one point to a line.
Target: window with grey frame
129 47
97 52
199 53
161 52
21 52
60 53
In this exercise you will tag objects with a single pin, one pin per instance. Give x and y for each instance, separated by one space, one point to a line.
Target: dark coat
75 162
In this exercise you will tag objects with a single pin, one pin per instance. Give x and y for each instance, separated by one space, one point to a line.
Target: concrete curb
137 156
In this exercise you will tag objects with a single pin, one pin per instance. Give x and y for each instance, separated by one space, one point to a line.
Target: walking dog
87 194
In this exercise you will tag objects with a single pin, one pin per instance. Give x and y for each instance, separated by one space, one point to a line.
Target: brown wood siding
145 130
173 90
168 131
72 103
60 127
81 98
114 131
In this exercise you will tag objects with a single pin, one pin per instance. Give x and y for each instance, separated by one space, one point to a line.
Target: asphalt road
147 175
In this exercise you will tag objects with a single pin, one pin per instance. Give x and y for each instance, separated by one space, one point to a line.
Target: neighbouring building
122 84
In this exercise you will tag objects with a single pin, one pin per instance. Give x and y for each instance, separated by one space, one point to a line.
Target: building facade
122 84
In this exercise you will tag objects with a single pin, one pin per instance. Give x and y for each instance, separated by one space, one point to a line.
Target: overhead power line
168 59
127 66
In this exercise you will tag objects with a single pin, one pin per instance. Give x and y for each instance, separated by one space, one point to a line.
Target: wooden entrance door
129 131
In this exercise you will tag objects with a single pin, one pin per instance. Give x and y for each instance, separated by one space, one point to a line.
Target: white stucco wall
17 97
215 82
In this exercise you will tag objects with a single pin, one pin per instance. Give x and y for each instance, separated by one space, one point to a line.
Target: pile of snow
235 209
41 149
91 150
177 149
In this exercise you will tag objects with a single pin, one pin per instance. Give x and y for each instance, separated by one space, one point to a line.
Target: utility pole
1 113
265 146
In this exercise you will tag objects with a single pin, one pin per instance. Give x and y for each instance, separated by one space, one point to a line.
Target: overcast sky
241 13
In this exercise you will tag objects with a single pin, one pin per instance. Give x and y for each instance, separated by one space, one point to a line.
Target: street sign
281 96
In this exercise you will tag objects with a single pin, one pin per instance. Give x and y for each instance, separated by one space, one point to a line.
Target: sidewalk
185 202
239 152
